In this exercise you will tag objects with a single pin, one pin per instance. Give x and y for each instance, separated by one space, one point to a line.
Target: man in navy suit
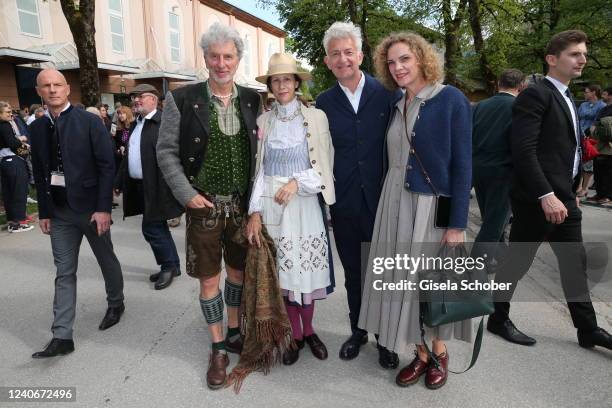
358 109
74 168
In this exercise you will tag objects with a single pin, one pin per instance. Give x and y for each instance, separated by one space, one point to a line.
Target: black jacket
193 103
87 157
8 137
543 144
159 203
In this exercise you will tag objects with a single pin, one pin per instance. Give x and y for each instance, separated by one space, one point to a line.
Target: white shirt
561 87
284 135
134 161
354 98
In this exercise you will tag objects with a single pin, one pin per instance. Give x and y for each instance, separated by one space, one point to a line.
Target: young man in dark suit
358 109
74 168
546 157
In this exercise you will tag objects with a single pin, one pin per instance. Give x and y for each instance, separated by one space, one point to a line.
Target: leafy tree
307 20
80 15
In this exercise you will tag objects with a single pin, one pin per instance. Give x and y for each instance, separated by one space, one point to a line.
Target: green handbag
449 303
452 304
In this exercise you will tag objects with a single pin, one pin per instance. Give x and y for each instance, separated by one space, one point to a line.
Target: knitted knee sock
294 319
307 312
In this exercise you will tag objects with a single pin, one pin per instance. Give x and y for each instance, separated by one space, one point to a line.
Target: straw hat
281 63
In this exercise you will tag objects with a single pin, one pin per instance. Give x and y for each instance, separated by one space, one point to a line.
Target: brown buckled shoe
317 347
217 363
233 346
412 372
436 376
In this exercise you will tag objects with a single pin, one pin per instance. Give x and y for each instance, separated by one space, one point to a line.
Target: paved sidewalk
157 356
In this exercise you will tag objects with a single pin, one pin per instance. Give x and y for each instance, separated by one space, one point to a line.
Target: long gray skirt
404 225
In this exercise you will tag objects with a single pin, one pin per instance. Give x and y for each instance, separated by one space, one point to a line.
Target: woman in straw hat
294 181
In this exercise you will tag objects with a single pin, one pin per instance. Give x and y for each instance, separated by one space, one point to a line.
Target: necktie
573 107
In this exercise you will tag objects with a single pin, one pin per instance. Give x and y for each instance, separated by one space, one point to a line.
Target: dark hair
269 82
594 87
560 41
511 79
608 90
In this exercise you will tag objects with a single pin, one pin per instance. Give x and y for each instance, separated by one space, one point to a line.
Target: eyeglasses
141 96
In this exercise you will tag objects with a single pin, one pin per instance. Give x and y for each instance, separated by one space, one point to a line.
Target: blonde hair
94 110
129 117
429 59
4 105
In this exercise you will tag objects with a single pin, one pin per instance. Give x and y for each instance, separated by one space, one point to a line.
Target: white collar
48 113
288 109
360 85
149 115
558 84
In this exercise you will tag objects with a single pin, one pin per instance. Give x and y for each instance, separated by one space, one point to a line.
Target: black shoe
291 355
155 276
350 348
112 317
164 279
387 358
598 337
317 347
56 347
507 330
234 346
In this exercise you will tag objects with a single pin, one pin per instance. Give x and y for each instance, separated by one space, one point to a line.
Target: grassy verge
30 208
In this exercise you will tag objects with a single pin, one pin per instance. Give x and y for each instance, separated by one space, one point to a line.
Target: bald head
50 74
51 85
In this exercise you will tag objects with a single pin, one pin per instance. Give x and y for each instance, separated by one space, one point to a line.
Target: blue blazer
359 143
88 160
442 137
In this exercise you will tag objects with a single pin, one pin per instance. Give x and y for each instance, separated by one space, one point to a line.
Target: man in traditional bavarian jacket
206 152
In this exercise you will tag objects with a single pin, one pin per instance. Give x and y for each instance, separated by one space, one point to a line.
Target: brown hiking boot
217 363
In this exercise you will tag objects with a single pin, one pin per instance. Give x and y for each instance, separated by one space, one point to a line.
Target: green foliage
307 20
515 32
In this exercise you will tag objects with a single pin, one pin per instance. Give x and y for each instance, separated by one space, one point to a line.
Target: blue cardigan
442 137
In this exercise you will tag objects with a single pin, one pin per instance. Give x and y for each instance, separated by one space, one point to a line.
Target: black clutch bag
443 206
443 203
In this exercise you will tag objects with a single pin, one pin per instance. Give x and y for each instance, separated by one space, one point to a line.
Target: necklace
221 96
287 118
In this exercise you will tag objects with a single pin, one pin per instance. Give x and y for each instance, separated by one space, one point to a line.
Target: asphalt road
157 355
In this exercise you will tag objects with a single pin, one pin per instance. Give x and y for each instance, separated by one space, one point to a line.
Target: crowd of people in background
379 151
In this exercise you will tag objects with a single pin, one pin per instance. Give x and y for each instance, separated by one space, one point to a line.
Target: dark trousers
349 233
157 234
529 229
492 186
67 231
159 237
14 173
602 167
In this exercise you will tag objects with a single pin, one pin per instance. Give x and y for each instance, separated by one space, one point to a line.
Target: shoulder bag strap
475 350
412 147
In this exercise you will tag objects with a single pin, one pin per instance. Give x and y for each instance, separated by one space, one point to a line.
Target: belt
219 197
